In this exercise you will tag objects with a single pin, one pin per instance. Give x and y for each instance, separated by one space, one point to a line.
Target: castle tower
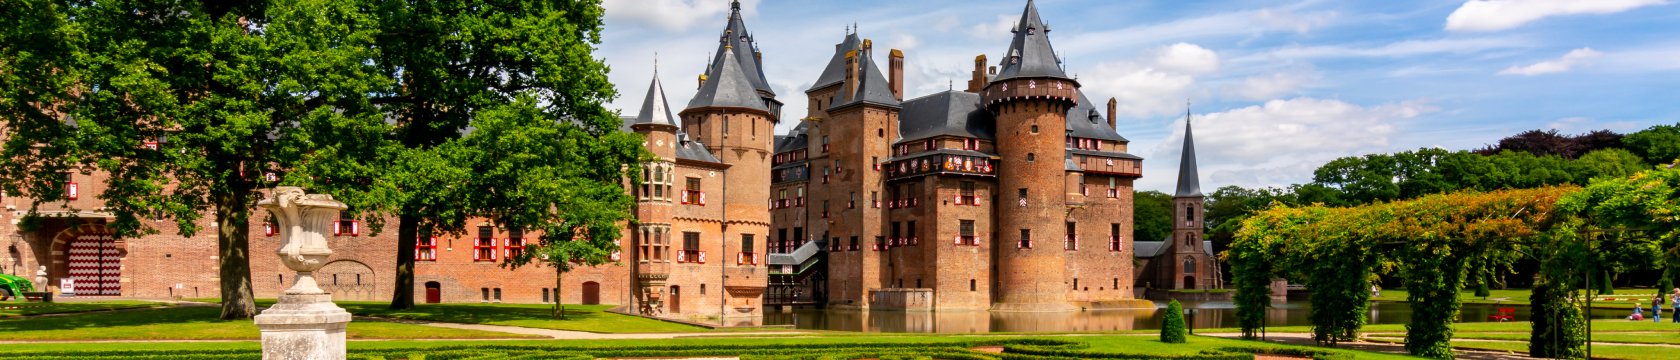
1031 97
653 213
862 116
1190 261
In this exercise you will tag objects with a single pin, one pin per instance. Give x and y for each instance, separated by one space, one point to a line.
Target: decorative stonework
304 324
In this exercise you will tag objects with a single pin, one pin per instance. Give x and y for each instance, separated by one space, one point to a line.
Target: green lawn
1598 351
199 322
1520 297
71 307
1599 326
1147 345
1637 338
591 318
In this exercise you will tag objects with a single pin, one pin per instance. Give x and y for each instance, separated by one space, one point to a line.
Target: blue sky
1278 87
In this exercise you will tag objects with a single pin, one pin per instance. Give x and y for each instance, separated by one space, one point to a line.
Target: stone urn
304 323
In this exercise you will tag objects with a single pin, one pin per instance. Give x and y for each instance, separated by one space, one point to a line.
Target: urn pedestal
304 324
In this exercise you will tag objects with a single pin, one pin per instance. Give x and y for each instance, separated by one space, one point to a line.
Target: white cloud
1142 91
1495 15
1284 132
673 16
1185 58
1284 19
995 30
1396 49
1273 85
904 42
1582 56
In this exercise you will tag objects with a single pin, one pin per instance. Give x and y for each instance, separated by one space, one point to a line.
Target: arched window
1189 239
1189 265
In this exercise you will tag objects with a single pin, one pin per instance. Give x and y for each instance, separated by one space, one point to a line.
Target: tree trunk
560 308
233 220
408 233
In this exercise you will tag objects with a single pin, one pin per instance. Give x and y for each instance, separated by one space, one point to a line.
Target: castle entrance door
95 265
591 293
434 292
676 299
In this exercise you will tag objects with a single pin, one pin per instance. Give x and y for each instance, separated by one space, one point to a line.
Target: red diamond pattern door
94 265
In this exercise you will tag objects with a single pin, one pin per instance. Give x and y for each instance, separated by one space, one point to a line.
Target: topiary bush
1172 325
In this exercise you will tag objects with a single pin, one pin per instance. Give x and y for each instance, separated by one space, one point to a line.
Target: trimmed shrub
1172 325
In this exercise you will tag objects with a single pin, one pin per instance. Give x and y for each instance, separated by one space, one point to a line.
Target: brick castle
1013 194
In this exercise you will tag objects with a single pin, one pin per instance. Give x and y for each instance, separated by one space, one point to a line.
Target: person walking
1675 298
1656 307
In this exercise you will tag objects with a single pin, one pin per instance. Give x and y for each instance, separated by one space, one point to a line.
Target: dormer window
1029 31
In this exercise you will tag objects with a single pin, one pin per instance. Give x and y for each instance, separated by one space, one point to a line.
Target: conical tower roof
1030 54
655 110
737 41
727 85
835 72
1189 183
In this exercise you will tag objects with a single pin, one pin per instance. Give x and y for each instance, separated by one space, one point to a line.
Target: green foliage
1559 326
1433 241
1657 145
1172 324
1607 163
1482 288
235 89
1151 215
1664 285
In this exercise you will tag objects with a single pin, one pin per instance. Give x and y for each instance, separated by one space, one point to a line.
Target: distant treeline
1530 159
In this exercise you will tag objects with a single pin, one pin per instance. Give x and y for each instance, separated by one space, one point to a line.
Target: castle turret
1031 97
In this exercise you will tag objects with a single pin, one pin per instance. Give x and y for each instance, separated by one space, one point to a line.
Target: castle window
1026 239
1071 242
1035 127
1031 157
971 285
515 242
1189 214
965 233
1114 237
910 231
1189 265
726 124
484 247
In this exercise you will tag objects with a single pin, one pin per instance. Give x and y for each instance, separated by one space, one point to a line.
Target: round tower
1030 98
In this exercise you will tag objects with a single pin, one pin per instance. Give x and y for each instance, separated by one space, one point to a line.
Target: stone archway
347 280
91 257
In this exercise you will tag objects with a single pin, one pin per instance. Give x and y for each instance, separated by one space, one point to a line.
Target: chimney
1111 106
702 82
895 75
979 79
851 75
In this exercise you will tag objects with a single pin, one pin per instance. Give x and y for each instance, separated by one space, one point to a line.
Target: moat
1210 314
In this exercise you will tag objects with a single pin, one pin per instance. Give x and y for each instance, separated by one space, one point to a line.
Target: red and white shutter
355 228
702 198
338 228
702 257
977 201
71 192
956 240
682 256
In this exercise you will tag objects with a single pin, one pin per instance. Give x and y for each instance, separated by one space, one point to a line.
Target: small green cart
12 288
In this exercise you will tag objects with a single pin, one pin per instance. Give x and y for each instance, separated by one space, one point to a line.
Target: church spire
1189 184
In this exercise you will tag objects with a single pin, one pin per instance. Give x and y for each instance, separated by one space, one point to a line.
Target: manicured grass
30 308
1598 351
1101 344
1637 338
197 322
1599 326
1520 297
592 318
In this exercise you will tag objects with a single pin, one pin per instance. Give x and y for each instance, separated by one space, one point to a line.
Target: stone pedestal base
303 327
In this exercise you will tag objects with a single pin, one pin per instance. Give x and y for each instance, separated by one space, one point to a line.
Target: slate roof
872 86
1150 249
1030 54
944 151
1070 166
655 110
835 72
1104 153
1084 121
795 139
949 113
691 149
741 46
727 85
1189 183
